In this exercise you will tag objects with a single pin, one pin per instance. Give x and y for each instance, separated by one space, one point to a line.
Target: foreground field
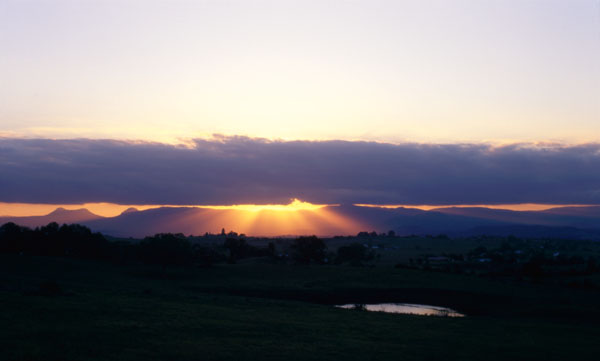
65 309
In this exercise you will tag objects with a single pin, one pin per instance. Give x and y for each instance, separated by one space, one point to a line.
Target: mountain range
562 222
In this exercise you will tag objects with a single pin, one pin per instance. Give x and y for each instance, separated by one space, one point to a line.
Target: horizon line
108 209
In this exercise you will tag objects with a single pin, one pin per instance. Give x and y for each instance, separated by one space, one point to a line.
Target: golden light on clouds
111 209
41 209
294 205
295 218
321 221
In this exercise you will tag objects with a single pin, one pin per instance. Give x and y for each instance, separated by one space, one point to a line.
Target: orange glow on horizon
267 222
112 209
40 209
511 207
295 218
295 205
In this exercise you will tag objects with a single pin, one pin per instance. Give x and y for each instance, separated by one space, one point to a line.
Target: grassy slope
129 313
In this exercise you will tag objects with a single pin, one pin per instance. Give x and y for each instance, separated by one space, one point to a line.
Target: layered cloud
236 170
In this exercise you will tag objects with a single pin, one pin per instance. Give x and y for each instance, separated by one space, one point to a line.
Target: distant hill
59 215
533 231
563 222
591 211
578 217
130 210
350 219
198 221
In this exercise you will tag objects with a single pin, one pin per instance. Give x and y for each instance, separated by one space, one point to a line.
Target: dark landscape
78 295
210 180
561 222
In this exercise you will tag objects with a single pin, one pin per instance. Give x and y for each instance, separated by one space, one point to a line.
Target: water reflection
407 308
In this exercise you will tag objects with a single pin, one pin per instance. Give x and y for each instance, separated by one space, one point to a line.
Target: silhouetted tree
309 249
206 256
237 247
12 238
51 240
79 241
271 248
166 250
355 254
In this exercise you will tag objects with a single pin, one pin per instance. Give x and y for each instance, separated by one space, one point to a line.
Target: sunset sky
331 102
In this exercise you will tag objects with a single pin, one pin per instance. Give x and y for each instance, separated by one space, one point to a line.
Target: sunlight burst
295 205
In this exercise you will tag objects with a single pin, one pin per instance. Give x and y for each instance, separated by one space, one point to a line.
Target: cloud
234 170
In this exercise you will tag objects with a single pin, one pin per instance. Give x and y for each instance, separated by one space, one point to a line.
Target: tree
309 249
166 249
12 238
206 256
237 247
355 254
271 249
53 240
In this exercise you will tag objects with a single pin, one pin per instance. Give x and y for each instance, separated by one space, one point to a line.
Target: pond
406 308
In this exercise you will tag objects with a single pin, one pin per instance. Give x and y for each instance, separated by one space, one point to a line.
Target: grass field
260 311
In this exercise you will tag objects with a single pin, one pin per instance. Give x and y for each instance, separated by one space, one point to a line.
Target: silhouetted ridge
130 210
61 212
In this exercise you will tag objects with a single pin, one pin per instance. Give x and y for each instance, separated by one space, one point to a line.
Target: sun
295 218
294 205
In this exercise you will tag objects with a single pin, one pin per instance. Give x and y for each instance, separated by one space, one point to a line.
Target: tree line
166 249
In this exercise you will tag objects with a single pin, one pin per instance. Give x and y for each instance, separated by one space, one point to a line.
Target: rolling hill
563 222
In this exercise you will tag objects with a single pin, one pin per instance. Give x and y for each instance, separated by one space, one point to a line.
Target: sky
243 170
394 71
331 102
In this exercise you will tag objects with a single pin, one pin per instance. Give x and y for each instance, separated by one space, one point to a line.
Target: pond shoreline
403 308
473 304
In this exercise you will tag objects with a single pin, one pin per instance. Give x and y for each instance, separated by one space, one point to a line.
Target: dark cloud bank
229 170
